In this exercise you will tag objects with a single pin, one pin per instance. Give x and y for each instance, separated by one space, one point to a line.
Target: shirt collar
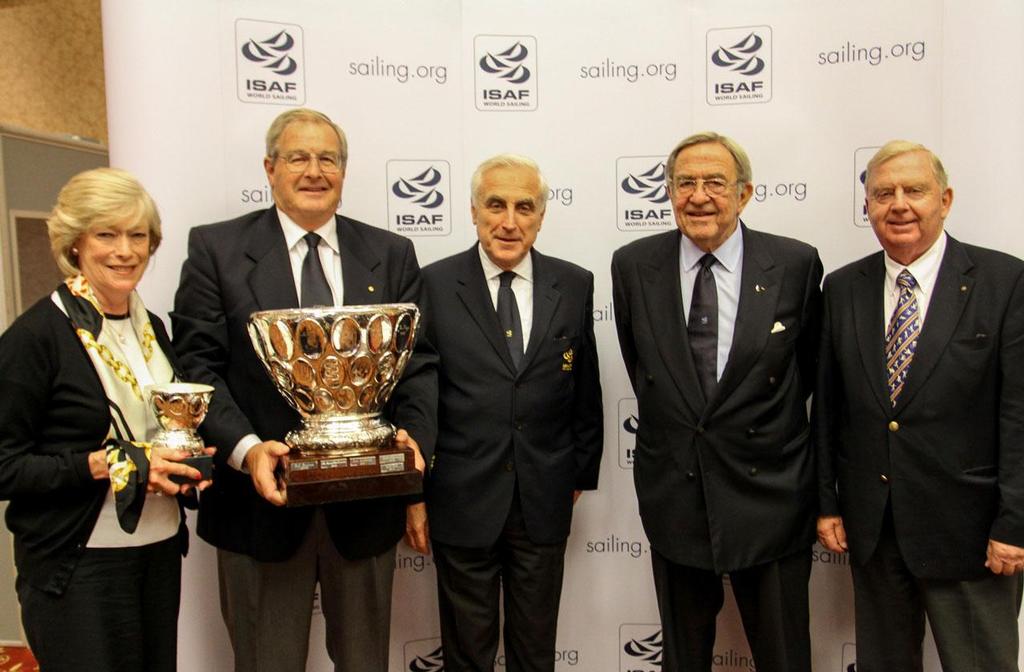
524 269
293 233
728 254
925 268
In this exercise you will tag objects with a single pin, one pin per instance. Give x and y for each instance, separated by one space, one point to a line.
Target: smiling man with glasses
299 252
718 326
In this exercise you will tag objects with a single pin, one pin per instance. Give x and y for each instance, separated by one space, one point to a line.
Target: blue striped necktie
901 336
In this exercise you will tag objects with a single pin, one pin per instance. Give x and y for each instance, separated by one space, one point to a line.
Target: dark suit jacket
541 426
724 483
950 456
233 269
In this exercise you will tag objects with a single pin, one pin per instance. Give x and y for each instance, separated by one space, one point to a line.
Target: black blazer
233 269
724 483
53 413
950 456
540 427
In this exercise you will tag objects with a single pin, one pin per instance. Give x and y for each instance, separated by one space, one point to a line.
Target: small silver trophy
180 408
338 367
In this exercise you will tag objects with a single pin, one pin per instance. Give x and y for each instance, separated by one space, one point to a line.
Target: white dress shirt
522 287
728 274
330 259
925 270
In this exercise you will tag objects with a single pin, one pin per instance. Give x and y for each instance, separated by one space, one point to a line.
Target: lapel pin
370 289
758 288
963 288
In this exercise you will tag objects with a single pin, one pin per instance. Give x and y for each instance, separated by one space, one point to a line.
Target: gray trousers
974 622
268 606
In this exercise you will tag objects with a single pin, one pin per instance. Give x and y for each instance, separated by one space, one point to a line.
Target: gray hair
739 157
894 148
509 161
304 114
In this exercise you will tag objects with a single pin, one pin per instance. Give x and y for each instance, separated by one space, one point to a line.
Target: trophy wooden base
388 472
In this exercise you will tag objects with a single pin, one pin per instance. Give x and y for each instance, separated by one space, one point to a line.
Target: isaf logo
629 423
640 647
861 156
268 60
739 65
506 73
418 202
424 655
642 199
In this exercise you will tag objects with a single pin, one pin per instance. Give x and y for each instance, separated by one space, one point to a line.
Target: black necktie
508 315
315 290
702 327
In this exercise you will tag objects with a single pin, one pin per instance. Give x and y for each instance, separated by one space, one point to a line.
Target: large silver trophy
179 408
338 367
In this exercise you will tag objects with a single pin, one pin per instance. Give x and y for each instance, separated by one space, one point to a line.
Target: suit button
650 378
894 426
751 432
753 471
509 466
690 476
883 478
519 426
700 430
771 380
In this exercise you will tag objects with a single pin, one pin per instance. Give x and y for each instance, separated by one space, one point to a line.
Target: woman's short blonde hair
97 197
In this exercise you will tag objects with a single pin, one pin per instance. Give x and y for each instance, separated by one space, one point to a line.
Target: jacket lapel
271 279
545 300
868 308
360 267
659 283
473 293
952 290
760 285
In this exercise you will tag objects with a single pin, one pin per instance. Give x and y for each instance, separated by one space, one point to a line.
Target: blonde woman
98 524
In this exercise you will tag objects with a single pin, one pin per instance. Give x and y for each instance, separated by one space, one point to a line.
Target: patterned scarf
127 459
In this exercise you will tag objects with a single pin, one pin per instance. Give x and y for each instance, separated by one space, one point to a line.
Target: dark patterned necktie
702 327
901 336
313 284
508 315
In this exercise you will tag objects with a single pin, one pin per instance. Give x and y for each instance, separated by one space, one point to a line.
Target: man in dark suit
519 424
718 324
919 428
299 252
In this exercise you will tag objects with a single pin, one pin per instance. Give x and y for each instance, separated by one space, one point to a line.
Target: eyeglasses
713 186
298 162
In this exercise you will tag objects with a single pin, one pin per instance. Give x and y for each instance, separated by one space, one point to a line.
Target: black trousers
772 601
974 622
469 581
118 614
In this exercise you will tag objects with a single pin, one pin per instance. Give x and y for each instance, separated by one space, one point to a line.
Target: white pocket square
778 327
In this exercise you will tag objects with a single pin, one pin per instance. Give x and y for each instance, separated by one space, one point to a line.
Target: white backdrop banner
597 92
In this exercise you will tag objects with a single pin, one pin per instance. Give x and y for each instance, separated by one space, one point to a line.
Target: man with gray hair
718 326
520 424
919 429
299 252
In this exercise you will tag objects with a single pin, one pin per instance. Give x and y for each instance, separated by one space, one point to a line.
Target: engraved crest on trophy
179 409
338 367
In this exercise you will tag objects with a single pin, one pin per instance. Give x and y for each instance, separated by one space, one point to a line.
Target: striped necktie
901 336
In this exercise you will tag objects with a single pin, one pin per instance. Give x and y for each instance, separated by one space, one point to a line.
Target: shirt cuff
236 459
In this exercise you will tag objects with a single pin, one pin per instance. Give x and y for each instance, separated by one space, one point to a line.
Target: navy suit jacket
538 428
949 457
728 482
233 269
